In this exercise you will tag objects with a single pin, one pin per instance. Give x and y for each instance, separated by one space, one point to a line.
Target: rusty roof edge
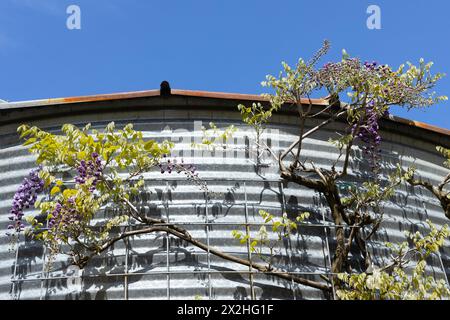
419 124
190 93
79 99
144 94
239 96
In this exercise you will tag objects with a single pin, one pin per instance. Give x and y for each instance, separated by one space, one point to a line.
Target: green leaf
55 190
30 141
69 193
149 145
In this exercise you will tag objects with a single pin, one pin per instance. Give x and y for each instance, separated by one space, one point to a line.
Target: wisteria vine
173 165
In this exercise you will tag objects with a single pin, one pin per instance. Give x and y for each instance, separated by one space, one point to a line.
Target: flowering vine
189 170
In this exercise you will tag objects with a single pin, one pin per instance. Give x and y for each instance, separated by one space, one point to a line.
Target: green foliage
255 116
282 226
446 153
393 282
294 83
215 137
71 209
370 90
379 83
370 195
366 83
123 148
342 141
421 77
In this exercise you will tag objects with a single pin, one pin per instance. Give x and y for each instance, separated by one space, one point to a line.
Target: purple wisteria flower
173 165
369 134
64 212
90 169
370 65
181 167
24 198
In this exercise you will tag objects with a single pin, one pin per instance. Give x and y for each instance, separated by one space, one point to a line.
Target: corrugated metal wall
160 267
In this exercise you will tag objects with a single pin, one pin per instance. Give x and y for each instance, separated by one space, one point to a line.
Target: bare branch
310 132
226 256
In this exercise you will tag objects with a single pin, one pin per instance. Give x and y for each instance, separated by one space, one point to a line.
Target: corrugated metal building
160 267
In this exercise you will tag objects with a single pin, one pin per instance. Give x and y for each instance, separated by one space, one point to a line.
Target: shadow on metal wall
110 276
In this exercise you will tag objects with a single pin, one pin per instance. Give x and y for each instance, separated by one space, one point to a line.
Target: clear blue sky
227 45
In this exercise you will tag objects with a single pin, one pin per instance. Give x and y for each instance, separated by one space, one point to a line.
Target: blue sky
227 45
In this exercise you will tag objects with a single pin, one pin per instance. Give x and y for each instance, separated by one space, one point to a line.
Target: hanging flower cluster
189 170
367 130
91 169
173 165
66 213
24 198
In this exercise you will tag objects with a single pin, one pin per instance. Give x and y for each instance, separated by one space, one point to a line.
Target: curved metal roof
191 93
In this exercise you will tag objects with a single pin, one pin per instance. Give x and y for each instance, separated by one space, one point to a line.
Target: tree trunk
340 254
